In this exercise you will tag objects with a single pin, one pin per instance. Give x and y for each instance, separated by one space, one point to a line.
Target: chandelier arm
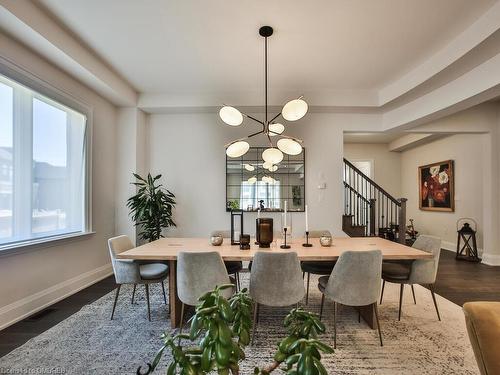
292 138
244 138
275 117
253 118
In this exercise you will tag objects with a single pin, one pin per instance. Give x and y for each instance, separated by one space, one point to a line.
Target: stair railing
373 207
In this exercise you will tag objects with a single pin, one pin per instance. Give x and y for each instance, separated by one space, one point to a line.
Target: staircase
369 210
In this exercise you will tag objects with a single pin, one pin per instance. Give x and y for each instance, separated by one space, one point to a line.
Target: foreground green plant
222 329
300 350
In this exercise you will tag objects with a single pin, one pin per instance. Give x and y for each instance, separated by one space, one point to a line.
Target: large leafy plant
151 207
220 331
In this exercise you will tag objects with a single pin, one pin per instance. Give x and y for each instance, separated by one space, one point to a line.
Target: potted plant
220 331
151 207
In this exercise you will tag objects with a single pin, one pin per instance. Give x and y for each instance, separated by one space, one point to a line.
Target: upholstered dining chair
316 267
198 273
275 280
421 271
128 271
354 281
232 267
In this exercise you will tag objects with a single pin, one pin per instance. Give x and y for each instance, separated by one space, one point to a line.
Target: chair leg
133 293
413 292
335 325
255 320
238 282
431 287
181 322
164 294
375 307
382 293
322 304
359 315
147 299
303 275
402 287
307 290
116 300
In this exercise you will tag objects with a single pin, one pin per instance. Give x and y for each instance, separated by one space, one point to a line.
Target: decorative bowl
216 240
325 240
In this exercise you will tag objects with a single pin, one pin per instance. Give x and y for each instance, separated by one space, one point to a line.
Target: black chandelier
292 111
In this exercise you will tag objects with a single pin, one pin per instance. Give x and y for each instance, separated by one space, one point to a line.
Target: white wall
32 278
386 164
467 152
131 158
188 149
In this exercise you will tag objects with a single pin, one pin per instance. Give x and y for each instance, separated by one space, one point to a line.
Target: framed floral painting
436 186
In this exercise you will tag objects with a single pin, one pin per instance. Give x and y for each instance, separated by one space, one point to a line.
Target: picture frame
437 186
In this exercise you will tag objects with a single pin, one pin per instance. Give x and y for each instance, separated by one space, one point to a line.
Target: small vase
430 202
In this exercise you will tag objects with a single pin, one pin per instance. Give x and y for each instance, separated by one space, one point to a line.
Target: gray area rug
89 343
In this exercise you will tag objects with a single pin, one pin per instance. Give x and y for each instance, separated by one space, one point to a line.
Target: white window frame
40 87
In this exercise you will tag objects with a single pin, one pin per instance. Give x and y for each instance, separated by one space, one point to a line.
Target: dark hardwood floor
462 281
458 281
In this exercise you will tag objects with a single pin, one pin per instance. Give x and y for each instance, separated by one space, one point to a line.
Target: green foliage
151 207
300 350
222 330
233 205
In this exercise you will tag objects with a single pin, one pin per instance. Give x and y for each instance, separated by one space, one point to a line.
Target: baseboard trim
29 305
491 259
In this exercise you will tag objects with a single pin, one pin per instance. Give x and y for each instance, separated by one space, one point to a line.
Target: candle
258 213
284 223
307 221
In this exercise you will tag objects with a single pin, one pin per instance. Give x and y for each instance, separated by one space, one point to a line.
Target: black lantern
236 226
467 235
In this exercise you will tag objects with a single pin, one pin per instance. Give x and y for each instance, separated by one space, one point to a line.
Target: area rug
88 342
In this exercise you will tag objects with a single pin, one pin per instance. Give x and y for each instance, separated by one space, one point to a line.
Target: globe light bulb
272 155
249 167
289 146
276 129
237 149
231 116
294 110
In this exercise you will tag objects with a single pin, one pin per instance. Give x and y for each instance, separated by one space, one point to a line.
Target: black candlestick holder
285 246
307 244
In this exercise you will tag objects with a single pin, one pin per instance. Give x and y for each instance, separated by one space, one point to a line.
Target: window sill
25 246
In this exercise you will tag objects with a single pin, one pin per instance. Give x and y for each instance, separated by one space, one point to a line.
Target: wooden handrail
356 192
373 183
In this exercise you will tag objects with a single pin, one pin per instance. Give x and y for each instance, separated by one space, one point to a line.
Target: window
252 193
42 167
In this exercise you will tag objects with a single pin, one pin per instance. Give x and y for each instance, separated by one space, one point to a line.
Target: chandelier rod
265 77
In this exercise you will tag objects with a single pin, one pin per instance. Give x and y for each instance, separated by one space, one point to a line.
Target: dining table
167 249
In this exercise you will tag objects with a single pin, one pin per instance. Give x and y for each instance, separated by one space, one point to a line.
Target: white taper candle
307 220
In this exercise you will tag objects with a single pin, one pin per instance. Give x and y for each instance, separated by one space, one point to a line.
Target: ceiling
188 46
385 137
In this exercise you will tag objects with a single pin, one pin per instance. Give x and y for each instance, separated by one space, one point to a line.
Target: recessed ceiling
371 137
179 47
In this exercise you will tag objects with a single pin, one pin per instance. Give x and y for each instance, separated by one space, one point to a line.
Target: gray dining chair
275 280
128 271
316 267
420 271
232 267
354 281
198 273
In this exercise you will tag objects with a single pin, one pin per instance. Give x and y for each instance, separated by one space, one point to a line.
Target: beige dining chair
316 267
275 280
198 273
420 271
232 267
354 281
128 271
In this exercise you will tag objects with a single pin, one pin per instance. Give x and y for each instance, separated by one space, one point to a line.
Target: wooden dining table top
168 249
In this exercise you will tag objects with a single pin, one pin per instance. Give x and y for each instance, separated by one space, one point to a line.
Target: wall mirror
249 186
